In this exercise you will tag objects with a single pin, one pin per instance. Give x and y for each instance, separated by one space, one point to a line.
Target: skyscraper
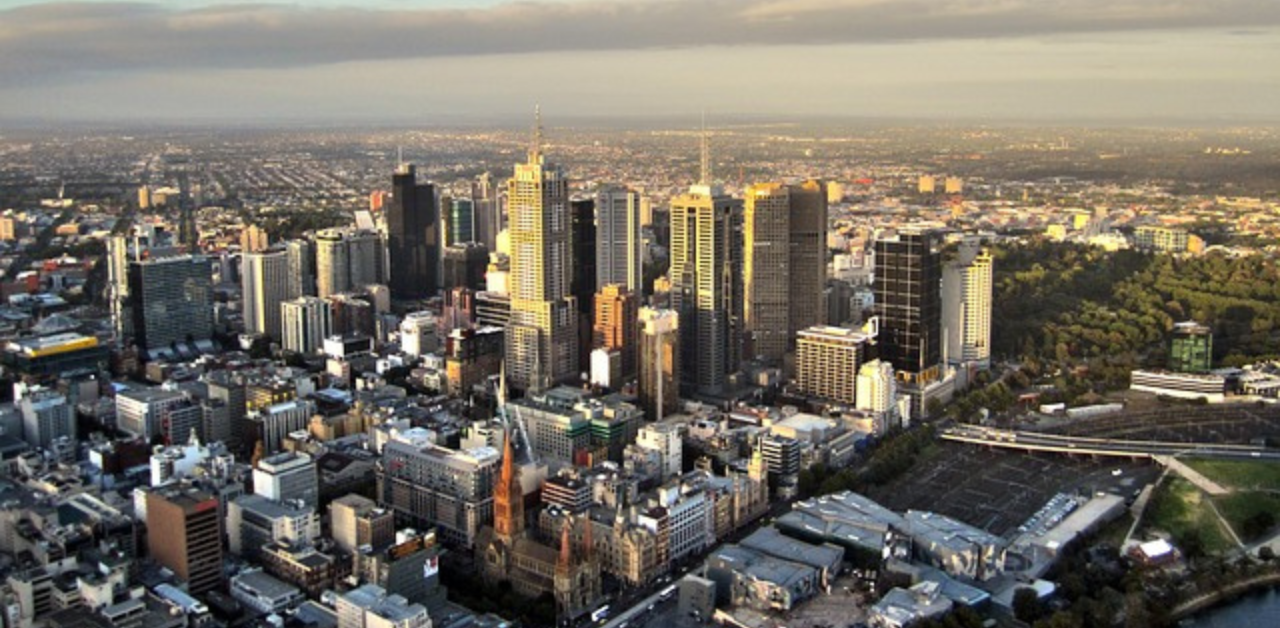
542 338
827 359
302 267
305 323
462 221
706 283
487 211
413 235
464 266
265 285
908 300
784 265
170 301
582 285
616 317
618 240
347 259
659 357
966 307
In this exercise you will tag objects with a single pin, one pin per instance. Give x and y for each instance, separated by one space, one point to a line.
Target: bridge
1115 447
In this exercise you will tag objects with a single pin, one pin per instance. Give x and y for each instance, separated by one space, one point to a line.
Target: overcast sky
490 60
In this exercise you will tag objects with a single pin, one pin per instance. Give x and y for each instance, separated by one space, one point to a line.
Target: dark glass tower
413 236
908 293
583 217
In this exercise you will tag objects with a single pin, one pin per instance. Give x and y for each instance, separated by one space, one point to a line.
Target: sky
423 61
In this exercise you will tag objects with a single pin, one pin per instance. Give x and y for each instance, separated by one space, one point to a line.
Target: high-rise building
966 307
169 415
265 285
170 301
287 476
616 318
908 300
302 267
46 417
706 283
356 520
254 239
465 265
582 286
659 362
784 264
413 236
542 338
428 485
1191 348
184 534
827 358
347 259
462 221
668 440
305 323
877 390
619 244
487 211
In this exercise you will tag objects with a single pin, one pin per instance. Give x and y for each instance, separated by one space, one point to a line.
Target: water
1256 609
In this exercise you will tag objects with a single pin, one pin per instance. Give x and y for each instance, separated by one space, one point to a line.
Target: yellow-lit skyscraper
542 338
706 283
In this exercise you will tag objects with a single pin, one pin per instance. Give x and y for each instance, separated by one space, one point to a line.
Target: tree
1026 605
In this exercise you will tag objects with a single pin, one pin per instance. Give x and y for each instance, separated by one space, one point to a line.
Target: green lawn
1179 508
1239 474
1252 515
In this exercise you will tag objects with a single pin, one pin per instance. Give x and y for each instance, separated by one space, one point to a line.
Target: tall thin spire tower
705 171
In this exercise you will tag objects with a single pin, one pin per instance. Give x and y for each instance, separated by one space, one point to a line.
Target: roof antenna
705 175
535 150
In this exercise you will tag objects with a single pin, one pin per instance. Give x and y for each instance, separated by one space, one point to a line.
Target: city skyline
323 61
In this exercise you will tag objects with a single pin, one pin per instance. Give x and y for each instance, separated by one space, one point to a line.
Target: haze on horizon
486 60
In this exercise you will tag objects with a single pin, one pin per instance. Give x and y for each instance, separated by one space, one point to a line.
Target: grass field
1180 509
1239 474
1242 510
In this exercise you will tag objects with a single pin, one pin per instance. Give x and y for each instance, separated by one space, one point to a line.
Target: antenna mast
705 174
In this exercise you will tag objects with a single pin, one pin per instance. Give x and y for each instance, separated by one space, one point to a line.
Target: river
1261 608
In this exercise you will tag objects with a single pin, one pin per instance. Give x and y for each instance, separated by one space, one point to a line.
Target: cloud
57 42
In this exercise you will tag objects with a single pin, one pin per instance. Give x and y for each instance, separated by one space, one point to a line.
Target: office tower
413 236
616 318
118 286
184 534
827 359
462 221
428 485
170 301
370 606
356 520
908 276
487 211
877 390
465 265
1191 348
305 323
706 283
46 417
302 267
966 307
808 259
266 284
583 283
348 259
784 264
619 244
659 358
288 475
542 338
254 239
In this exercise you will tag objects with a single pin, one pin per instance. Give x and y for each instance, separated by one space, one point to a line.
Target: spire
566 548
508 460
535 147
704 176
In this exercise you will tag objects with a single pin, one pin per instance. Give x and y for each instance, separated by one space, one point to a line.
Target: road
1054 443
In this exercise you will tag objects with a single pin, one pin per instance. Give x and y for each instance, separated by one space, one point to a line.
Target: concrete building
955 547
254 521
369 606
827 359
619 244
347 259
305 322
658 356
966 307
426 485
745 577
668 440
542 338
418 334
877 391
287 476
357 521
271 424
157 412
265 286
47 416
264 594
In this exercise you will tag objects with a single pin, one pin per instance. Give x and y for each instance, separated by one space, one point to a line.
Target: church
508 551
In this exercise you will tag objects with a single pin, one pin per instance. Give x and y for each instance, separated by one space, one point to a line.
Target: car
1117 472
